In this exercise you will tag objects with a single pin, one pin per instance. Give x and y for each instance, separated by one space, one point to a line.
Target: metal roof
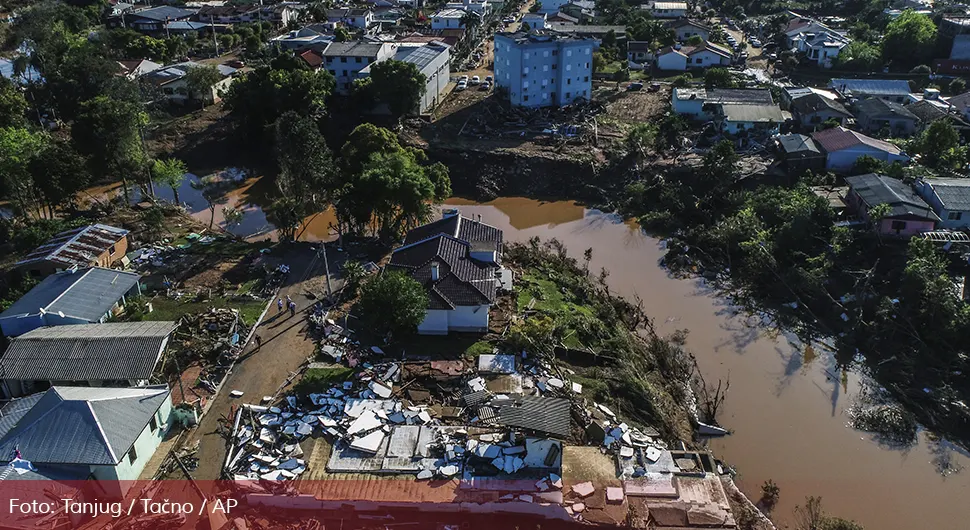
87 352
420 56
726 96
542 414
13 410
839 138
78 425
79 246
797 143
876 189
872 87
669 5
86 294
353 49
880 108
812 102
954 193
754 113
163 13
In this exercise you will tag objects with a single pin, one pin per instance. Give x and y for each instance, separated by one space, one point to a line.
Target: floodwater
786 405
250 196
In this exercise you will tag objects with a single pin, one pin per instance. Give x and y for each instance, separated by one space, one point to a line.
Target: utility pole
215 42
326 268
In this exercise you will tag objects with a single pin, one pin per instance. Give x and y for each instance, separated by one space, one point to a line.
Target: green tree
859 56
399 85
108 132
599 62
396 290
259 97
340 34
365 140
18 147
650 30
909 39
939 146
868 164
399 191
170 172
213 189
60 173
307 171
719 78
640 139
353 273
13 105
720 163
957 86
695 40
200 80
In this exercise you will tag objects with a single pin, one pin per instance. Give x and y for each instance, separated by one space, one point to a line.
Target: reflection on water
251 196
787 401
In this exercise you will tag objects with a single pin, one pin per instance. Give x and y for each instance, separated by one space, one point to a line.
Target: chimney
434 271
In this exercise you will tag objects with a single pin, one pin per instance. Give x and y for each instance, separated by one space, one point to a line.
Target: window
525 55
329 59
586 78
545 82
343 60
525 70
569 67
132 456
569 81
569 53
153 424
333 73
555 53
525 84
545 96
587 65
345 73
545 68
689 60
899 225
359 59
525 98
567 95
954 216
113 249
545 53
555 67
699 60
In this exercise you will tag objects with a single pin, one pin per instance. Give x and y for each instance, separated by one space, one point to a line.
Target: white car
461 86
475 80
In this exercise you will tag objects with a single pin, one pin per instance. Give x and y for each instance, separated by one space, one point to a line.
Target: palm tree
353 273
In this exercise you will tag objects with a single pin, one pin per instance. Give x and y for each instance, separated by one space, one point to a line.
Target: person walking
279 305
292 308
259 341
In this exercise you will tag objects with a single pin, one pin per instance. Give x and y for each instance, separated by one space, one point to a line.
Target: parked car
654 87
633 87
486 86
461 86
463 78
755 43
475 81
488 79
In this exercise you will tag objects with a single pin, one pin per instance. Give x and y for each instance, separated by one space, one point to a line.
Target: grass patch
164 308
479 348
593 387
319 380
611 68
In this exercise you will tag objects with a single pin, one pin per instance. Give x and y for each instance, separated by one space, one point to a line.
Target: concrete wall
462 318
843 160
899 127
445 23
146 444
438 74
673 61
961 219
706 59
693 108
541 74
435 323
909 227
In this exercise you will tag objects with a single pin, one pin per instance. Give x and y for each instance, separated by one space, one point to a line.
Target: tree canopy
394 303
399 85
909 39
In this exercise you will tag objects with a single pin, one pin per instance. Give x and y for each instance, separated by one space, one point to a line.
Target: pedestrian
292 308
279 305
259 341
288 300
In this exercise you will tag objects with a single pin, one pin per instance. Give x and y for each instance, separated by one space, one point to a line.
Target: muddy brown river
787 408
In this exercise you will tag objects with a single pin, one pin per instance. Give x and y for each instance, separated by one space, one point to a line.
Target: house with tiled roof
843 147
812 110
458 261
907 214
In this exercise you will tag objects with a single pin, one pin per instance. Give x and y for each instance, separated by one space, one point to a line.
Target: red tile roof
312 58
838 138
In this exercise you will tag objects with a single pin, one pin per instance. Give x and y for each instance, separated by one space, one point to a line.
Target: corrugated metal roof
953 192
754 113
86 294
476 398
89 352
76 425
839 138
796 143
15 409
542 414
163 13
880 108
79 246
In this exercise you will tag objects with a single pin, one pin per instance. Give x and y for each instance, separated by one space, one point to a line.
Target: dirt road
261 371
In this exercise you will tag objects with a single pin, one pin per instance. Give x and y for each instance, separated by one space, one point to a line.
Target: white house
457 260
761 119
109 434
449 18
479 7
639 54
302 38
171 80
679 57
843 147
352 17
700 103
345 60
666 9
686 28
949 198
815 40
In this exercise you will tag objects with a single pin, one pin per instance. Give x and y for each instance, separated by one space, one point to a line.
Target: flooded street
787 411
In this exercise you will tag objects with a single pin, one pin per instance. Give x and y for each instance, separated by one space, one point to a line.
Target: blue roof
863 87
86 294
